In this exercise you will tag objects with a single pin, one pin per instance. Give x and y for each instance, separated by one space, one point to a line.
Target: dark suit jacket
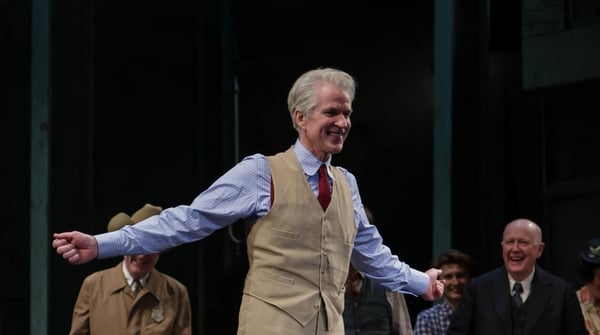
553 307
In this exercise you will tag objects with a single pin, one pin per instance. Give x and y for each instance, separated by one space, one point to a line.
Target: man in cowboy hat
132 297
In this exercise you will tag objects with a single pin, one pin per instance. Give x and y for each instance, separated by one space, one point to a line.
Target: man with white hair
520 297
308 223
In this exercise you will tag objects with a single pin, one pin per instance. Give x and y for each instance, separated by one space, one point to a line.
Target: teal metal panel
40 106
442 125
574 50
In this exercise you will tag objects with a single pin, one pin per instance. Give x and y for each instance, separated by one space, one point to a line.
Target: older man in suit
519 298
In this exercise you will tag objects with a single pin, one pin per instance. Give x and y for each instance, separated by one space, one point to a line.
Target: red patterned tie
324 188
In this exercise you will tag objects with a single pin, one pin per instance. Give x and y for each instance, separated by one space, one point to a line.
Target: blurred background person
456 269
370 309
132 297
519 297
588 269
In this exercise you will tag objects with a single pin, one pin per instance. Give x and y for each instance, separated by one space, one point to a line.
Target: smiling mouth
516 258
339 133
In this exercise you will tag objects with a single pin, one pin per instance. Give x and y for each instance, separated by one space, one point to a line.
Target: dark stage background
152 103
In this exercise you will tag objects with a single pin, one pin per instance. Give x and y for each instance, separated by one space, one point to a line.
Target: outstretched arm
76 247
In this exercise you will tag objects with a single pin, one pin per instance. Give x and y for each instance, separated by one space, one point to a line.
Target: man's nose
342 121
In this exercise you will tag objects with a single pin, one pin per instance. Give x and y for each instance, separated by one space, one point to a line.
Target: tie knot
517 288
136 285
322 171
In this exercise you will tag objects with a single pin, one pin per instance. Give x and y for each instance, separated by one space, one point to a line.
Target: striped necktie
136 286
517 290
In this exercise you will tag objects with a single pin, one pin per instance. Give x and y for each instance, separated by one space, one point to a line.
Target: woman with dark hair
589 294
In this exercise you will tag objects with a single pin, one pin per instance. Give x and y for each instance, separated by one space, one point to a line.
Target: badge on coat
158 314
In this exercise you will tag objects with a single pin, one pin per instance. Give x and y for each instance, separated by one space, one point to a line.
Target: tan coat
298 253
106 305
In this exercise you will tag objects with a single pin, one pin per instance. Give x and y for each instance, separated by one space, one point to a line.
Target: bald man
494 305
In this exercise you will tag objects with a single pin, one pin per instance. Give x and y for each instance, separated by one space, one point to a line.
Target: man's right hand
76 247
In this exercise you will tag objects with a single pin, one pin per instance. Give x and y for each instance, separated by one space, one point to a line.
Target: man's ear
299 118
541 249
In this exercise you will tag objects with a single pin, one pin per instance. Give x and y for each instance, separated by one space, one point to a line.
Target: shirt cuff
418 282
106 245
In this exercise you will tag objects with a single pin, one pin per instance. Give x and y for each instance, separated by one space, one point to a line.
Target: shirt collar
445 305
526 283
308 161
130 279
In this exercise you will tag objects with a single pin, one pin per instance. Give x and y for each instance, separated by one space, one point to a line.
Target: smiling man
456 269
306 223
521 297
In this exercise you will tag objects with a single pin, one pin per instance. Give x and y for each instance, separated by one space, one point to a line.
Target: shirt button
316 306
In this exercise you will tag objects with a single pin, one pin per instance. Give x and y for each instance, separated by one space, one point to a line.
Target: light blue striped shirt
244 192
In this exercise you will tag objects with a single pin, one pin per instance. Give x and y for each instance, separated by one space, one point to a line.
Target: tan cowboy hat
121 219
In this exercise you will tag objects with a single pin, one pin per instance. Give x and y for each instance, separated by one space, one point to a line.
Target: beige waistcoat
298 253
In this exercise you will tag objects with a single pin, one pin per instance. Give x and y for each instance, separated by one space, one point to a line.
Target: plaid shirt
434 320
